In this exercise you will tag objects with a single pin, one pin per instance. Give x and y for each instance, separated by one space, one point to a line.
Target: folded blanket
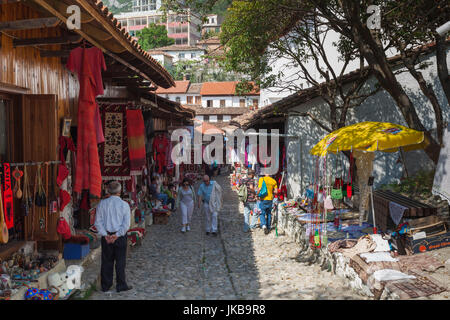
377 257
365 244
391 275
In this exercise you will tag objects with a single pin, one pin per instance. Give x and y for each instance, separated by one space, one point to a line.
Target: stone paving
233 265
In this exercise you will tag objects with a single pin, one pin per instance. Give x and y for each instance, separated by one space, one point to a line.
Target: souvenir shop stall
251 160
50 129
380 261
122 157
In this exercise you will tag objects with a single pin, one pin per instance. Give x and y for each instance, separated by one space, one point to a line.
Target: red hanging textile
136 139
7 195
87 173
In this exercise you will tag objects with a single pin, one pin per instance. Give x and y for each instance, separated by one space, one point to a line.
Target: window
242 103
198 100
226 118
189 100
219 117
193 55
205 118
255 103
181 41
178 99
181 56
217 29
209 103
212 118
222 103
144 5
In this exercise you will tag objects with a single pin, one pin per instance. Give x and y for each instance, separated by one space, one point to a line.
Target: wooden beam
53 54
119 74
46 41
28 24
11 1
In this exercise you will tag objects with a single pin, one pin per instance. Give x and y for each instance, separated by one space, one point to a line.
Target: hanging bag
242 194
263 192
328 203
350 184
336 192
310 189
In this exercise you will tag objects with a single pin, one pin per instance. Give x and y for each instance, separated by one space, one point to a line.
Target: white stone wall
291 72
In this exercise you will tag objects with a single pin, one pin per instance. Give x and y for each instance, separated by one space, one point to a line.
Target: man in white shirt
112 222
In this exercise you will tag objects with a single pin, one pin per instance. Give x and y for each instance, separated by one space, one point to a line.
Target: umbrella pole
373 210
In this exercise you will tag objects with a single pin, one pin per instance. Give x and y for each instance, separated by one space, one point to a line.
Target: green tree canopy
253 29
154 36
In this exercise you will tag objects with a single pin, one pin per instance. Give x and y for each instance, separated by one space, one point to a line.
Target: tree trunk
442 67
377 59
427 90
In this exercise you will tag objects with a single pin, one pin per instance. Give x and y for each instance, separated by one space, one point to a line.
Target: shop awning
101 29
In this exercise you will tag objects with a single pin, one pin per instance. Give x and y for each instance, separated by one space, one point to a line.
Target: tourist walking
247 194
186 203
112 222
210 195
267 186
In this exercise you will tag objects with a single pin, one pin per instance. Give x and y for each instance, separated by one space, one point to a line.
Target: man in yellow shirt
267 202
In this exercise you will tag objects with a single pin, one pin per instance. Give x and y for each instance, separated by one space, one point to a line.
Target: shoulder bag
263 192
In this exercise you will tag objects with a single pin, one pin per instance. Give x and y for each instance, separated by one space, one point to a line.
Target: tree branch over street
254 31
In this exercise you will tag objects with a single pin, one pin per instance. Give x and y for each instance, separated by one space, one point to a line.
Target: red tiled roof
175 47
157 52
227 88
180 87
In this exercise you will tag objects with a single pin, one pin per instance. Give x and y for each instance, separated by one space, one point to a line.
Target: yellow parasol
371 136
364 138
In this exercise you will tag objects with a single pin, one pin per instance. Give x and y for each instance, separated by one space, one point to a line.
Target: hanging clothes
88 174
93 56
160 148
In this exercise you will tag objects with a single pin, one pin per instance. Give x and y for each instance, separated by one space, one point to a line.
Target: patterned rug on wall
114 155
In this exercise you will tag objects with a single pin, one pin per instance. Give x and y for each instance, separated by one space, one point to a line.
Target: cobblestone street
233 265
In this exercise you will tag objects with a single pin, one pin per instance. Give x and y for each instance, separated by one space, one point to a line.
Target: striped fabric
136 139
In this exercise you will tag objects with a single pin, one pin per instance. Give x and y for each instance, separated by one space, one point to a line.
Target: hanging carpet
114 155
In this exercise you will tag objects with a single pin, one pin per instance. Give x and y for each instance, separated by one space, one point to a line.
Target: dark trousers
115 252
171 201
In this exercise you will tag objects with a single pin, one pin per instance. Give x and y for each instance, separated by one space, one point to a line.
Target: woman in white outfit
186 202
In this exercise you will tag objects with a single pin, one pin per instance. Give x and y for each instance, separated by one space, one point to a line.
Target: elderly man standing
210 194
112 222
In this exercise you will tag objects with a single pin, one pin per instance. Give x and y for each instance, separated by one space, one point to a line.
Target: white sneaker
188 228
183 229
264 227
